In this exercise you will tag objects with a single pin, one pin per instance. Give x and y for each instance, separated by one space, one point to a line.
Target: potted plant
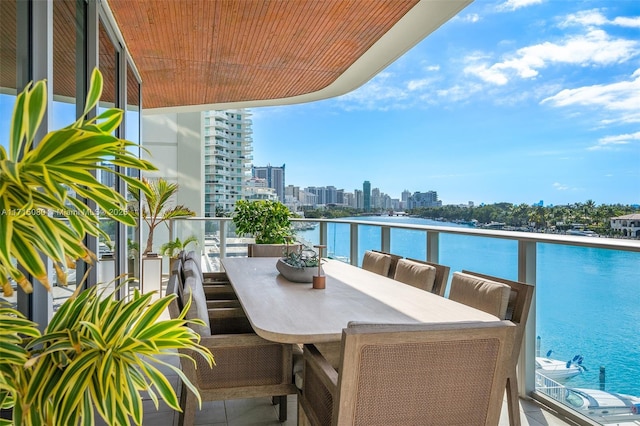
155 207
152 206
98 353
299 266
173 248
268 222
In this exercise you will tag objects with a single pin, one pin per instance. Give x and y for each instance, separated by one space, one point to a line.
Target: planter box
297 275
271 250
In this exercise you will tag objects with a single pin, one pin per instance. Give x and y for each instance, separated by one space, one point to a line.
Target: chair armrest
319 387
323 369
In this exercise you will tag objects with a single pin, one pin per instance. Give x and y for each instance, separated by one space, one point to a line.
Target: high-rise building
404 198
366 190
358 196
227 149
274 176
424 199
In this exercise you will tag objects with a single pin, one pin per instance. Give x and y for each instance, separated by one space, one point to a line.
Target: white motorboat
604 407
559 370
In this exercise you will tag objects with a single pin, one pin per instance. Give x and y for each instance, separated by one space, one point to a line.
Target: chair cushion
378 263
415 274
486 295
193 288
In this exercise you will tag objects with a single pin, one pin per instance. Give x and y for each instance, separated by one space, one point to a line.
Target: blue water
587 300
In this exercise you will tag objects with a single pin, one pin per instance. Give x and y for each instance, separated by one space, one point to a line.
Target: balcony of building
565 269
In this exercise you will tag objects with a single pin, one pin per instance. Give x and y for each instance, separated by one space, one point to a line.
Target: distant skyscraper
404 198
359 198
274 176
366 190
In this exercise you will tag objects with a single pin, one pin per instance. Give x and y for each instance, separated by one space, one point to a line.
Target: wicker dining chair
442 276
377 262
415 274
517 312
429 374
392 265
247 365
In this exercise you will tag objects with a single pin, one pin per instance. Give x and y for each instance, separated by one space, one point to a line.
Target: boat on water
559 370
583 232
604 407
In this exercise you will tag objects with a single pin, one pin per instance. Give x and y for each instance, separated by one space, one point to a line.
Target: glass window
64 110
108 65
8 81
132 126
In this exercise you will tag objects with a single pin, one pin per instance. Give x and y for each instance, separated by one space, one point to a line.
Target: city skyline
510 101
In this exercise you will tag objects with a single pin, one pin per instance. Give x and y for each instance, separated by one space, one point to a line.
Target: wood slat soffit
216 51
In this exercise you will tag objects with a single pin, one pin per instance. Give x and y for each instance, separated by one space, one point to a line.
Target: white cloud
560 186
595 18
587 18
611 142
628 22
382 92
593 48
470 17
459 92
510 5
622 97
414 85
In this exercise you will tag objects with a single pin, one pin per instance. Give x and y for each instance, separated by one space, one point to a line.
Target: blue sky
516 101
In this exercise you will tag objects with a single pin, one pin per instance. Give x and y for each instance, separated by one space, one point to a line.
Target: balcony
545 260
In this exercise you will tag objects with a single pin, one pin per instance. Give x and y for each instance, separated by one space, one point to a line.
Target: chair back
377 262
520 298
434 374
442 276
415 274
480 293
394 262
272 250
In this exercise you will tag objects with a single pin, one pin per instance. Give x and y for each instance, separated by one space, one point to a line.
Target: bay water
587 299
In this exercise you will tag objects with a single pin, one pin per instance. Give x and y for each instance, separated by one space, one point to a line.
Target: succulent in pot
299 266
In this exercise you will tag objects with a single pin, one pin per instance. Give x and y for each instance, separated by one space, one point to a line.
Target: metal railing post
385 239
433 246
526 362
353 251
324 234
223 238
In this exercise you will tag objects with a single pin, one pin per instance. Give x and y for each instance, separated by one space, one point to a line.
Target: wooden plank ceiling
200 52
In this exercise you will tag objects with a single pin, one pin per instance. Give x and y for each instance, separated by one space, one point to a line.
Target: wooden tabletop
282 311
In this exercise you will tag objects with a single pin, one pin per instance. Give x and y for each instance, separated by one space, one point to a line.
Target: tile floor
260 411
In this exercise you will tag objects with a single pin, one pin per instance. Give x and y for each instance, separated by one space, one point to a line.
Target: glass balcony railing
581 341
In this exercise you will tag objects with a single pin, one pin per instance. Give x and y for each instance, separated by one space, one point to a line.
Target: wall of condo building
228 147
208 152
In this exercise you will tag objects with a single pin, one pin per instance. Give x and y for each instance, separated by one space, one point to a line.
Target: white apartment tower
227 158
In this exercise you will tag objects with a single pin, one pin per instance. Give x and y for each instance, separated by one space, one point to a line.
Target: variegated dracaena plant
37 214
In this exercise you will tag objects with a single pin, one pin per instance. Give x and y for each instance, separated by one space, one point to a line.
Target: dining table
283 311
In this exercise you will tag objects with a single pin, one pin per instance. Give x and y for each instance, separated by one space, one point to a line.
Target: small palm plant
155 210
173 248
